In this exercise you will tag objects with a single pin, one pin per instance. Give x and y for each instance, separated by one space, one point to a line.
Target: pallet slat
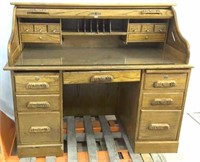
50 159
147 158
110 143
108 131
71 140
90 139
134 157
28 159
162 157
156 158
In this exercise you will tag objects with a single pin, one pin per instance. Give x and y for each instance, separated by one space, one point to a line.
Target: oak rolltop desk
68 60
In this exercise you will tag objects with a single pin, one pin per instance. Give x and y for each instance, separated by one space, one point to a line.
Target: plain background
188 19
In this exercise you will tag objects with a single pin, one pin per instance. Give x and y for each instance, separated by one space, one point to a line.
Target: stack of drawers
146 32
40 32
38 104
162 101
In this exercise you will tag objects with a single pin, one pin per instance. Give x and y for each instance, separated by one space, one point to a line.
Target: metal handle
158 126
38 104
151 11
162 101
27 30
101 78
164 84
40 129
39 85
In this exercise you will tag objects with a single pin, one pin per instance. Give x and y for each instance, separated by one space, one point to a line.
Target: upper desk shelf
66 35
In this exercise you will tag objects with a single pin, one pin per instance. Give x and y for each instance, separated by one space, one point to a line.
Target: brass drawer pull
162 101
39 129
151 11
155 126
41 104
40 85
101 78
164 84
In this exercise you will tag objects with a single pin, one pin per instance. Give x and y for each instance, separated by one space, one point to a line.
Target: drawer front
146 37
54 28
40 28
101 76
159 125
37 83
134 28
94 13
162 100
147 28
160 28
165 81
39 128
41 38
38 102
26 28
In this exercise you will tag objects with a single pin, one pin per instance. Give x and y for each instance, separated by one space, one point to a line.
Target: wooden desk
130 61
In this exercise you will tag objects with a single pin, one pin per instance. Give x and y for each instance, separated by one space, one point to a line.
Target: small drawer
41 38
160 28
38 102
54 28
26 28
39 128
36 83
101 76
40 28
134 28
146 37
147 28
165 81
162 100
159 125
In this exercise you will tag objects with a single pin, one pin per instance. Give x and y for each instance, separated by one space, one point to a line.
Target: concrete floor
188 144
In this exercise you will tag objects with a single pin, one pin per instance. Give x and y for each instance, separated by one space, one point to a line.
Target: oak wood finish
41 38
45 130
156 146
162 100
91 13
97 59
14 45
165 81
38 102
101 77
149 118
146 37
37 83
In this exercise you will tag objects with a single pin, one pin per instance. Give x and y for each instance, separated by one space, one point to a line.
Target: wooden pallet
94 139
